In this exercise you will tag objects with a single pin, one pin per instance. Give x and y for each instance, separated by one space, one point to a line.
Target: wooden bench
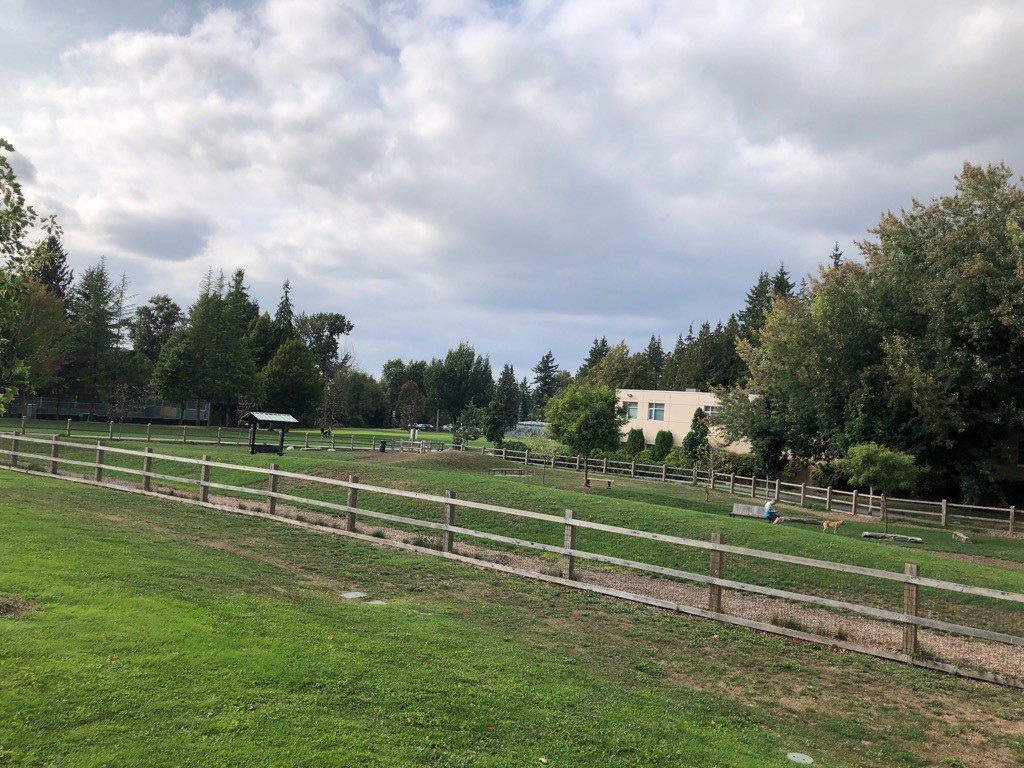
606 481
505 471
747 510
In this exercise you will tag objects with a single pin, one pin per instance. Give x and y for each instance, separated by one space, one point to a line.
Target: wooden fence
941 513
902 616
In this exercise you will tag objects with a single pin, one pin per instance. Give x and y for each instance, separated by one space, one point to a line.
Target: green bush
829 475
634 442
734 463
662 445
515 445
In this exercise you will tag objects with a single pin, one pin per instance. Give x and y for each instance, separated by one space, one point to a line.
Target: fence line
989 653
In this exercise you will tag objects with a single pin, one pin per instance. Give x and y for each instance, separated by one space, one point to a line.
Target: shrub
662 445
515 445
635 442
735 463
829 475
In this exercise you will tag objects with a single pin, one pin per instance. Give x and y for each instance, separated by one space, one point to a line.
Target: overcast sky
523 176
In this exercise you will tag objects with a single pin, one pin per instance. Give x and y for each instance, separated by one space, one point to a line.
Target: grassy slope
169 635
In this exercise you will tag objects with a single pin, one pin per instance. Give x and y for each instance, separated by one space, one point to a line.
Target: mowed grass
166 634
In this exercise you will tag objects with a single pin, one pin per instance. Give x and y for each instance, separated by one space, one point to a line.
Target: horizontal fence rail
904 616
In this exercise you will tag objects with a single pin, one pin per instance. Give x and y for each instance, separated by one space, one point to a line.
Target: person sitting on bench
770 513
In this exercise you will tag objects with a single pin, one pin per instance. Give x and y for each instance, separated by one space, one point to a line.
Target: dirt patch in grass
11 606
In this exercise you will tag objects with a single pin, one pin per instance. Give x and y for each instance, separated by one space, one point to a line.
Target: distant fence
902 616
941 513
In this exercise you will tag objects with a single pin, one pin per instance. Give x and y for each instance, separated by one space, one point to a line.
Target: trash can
383 445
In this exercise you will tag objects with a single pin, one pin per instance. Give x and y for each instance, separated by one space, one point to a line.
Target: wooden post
693 475
147 469
777 488
569 541
54 445
218 435
604 466
306 443
204 480
504 453
526 457
352 441
98 475
664 472
69 427
943 514
1013 514
373 443
271 499
350 515
828 499
149 433
577 463
883 511
854 503
24 423
447 537
110 431
14 451
714 590
184 433
803 494
632 469
910 608
753 487
332 440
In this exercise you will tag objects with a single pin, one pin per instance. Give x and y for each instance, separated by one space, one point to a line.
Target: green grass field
148 632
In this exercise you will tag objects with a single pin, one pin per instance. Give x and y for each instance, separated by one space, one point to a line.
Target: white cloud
523 175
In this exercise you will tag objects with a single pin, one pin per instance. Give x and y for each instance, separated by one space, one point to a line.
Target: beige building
653 410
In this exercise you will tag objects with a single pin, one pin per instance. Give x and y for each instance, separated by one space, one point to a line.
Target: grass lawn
145 632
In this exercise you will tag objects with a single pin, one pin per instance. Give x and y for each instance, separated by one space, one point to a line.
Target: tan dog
832 525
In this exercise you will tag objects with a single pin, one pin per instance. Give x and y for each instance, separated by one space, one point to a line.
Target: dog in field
831 525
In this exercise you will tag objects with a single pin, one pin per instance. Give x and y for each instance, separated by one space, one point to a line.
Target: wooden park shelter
257 420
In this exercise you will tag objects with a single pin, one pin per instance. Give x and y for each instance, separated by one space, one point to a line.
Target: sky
523 176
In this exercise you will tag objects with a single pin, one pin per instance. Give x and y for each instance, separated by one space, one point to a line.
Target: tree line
916 348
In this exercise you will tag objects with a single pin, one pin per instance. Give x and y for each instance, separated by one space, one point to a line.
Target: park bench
747 510
605 481
505 471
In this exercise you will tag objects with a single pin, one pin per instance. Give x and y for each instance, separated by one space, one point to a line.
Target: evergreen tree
508 395
545 384
836 257
494 422
596 354
94 334
759 301
462 378
781 284
153 325
283 326
696 444
656 358
291 381
51 268
240 300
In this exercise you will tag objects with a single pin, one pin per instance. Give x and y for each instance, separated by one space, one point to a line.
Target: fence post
69 427
943 519
504 453
854 503
149 433
753 486
1013 514
526 457
803 494
110 430
306 443
910 608
373 443
664 472
184 433
350 514
732 483
632 469
828 499
714 590
693 475
271 499
577 463
883 511
777 486
24 423
14 451
53 455
332 440
147 470
352 441
447 537
604 466
218 435
204 480
98 475
569 541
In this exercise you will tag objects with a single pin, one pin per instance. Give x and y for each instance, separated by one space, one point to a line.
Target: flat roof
280 418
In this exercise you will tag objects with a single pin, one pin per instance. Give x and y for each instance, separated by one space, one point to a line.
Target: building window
631 410
711 410
656 411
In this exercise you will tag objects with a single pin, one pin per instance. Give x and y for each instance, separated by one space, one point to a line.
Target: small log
957 536
891 537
